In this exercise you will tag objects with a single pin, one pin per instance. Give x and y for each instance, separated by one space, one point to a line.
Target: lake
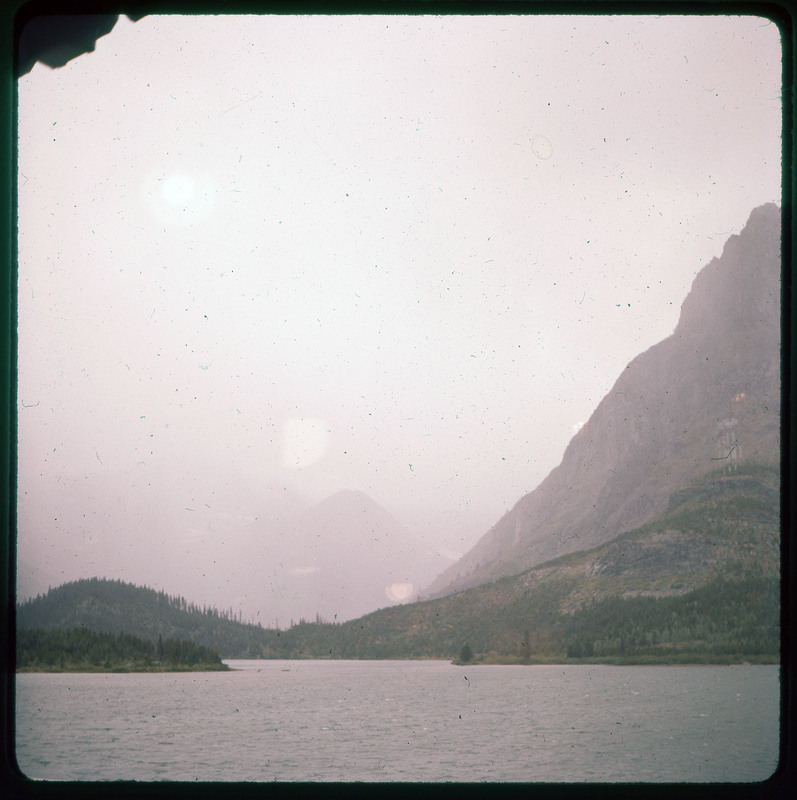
402 721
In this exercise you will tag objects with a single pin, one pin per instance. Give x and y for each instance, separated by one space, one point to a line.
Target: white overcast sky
406 255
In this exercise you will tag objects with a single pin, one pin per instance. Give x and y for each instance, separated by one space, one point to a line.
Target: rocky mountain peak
740 291
707 396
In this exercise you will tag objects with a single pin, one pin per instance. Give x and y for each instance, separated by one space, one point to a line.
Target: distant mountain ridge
697 584
273 556
342 558
707 396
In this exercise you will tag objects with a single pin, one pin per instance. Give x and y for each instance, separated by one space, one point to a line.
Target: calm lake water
402 721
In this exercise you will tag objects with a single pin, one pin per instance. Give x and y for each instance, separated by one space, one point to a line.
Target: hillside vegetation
82 650
112 606
698 584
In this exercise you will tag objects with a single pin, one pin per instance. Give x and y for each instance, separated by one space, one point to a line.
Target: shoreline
124 669
639 661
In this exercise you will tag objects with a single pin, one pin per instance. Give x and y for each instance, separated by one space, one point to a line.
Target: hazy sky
405 255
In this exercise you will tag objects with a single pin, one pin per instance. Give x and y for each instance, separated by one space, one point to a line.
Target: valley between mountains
656 540
698 584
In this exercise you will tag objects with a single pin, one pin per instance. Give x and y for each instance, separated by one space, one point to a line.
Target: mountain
272 555
699 583
209 528
706 396
340 559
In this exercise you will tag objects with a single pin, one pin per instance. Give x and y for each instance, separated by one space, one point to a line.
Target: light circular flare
179 189
179 197
399 591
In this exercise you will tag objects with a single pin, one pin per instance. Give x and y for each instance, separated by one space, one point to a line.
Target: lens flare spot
179 197
399 591
179 189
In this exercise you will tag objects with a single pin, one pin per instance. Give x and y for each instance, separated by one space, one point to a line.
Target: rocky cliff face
708 396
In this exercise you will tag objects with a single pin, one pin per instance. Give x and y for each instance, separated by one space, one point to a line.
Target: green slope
112 606
82 650
700 583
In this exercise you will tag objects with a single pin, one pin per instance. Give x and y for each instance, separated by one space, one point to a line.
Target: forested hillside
724 621
82 650
699 583
112 606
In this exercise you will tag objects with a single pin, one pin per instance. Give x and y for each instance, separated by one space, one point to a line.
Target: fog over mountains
706 396
272 555
339 559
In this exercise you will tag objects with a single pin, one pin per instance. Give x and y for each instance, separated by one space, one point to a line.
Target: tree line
77 648
725 617
725 620
113 605
729 617
729 527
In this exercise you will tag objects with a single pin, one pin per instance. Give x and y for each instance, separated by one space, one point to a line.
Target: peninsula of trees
83 650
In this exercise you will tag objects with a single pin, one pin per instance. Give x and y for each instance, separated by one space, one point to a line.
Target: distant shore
684 660
638 661
130 668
